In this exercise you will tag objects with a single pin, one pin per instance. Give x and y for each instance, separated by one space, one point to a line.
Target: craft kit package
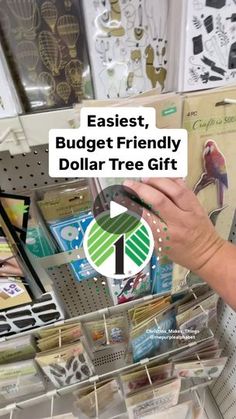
202 44
137 286
69 233
211 126
66 365
46 46
128 45
109 399
18 379
168 107
65 210
9 101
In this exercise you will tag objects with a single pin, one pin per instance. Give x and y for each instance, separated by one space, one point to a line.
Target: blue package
155 340
69 234
161 276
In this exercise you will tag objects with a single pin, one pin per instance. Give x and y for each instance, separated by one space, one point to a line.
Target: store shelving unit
27 167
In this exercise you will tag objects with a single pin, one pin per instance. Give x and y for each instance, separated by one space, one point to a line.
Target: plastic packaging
128 45
46 47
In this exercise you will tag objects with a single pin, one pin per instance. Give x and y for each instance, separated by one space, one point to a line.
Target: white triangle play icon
116 209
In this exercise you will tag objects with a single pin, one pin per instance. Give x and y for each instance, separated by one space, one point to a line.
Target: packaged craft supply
9 266
127 46
185 410
38 239
109 398
46 46
35 278
63 201
206 368
17 209
198 316
17 349
107 332
69 234
153 400
9 101
41 312
161 275
67 365
150 338
168 108
13 293
60 336
147 310
202 44
199 348
66 211
135 381
124 290
211 175
18 379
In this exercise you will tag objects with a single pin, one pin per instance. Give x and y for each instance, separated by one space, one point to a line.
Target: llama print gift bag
127 45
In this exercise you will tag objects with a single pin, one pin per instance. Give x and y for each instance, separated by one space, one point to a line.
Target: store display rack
28 170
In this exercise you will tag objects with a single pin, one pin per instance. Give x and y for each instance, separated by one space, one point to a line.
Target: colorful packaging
161 276
104 333
150 338
211 125
124 290
13 293
69 234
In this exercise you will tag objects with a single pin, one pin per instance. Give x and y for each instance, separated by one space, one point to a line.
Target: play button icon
116 209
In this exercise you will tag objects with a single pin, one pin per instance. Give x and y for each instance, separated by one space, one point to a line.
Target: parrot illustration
214 171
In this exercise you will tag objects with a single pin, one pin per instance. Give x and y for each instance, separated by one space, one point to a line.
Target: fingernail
145 179
129 183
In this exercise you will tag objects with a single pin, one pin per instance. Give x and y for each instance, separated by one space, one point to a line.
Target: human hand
181 228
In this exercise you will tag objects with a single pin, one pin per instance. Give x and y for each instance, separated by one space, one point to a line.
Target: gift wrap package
211 126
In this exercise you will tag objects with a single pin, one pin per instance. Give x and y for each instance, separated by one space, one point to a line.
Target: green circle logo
117 255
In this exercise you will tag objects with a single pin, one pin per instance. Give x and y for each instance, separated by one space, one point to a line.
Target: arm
183 232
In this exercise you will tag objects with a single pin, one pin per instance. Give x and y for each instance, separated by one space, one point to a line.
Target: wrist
214 259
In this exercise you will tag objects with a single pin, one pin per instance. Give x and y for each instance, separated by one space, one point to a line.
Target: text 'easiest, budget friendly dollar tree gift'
211 125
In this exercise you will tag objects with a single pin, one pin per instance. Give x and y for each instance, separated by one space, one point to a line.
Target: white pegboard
80 297
224 388
25 171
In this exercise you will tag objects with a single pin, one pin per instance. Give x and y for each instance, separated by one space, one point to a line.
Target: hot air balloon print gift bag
46 45
211 126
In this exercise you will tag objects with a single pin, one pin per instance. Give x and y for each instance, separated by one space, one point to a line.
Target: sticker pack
128 45
207 44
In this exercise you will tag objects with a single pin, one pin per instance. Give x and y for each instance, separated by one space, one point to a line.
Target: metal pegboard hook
96 399
229 101
106 329
52 407
226 101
